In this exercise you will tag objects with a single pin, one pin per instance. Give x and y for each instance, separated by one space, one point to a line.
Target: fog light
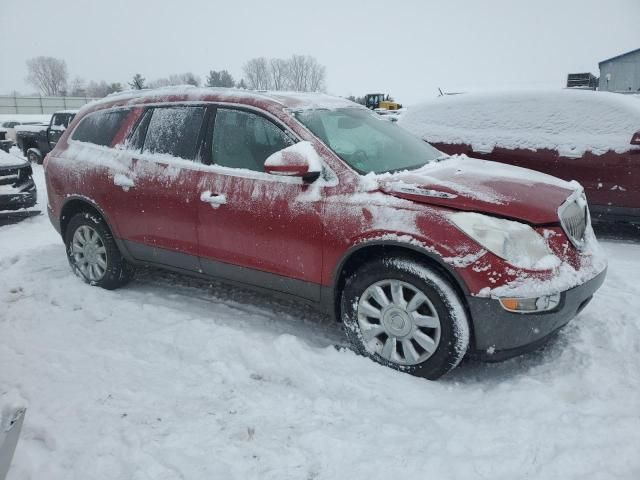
530 305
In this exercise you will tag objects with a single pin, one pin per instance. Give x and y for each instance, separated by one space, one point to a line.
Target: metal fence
36 104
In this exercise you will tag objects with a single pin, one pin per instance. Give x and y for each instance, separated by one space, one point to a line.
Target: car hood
10 162
464 183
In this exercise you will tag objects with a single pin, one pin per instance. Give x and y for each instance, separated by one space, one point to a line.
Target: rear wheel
406 316
93 253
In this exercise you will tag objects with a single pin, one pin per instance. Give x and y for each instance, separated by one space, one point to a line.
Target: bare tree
256 72
176 79
220 79
102 88
48 74
137 82
78 87
306 74
279 73
317 75
187 78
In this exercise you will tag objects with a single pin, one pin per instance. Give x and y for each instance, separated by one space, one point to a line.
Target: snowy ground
173 378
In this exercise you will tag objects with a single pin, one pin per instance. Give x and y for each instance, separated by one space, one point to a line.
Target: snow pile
172 377
569 121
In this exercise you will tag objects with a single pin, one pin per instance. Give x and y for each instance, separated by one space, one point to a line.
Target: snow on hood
464 183
568 121
8 160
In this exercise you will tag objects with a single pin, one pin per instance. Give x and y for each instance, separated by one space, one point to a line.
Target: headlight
517 243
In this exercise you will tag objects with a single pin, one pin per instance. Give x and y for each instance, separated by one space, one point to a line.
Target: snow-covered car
590 137
17 188
424 257
10 122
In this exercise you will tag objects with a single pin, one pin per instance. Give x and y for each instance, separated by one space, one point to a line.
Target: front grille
574 217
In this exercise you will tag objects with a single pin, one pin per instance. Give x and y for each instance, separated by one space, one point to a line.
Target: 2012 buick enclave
424 257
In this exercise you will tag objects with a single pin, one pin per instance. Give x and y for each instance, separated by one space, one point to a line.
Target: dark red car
424 258
591 137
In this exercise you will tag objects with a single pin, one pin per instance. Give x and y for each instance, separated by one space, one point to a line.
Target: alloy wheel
398 322
89 253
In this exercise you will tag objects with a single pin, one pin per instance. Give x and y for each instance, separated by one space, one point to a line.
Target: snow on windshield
571 122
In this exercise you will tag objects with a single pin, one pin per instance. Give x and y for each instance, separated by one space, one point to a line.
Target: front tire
34 156
93 254
405 315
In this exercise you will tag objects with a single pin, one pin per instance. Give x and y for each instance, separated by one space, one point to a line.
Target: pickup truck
36 141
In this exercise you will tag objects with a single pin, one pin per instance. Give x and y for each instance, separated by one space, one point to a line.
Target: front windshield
366 141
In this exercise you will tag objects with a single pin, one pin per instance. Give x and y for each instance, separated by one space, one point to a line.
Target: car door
59 123
164 174
254 227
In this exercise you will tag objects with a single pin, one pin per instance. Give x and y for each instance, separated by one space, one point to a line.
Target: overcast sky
406 48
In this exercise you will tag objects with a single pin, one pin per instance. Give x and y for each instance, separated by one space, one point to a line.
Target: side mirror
298 160
635 140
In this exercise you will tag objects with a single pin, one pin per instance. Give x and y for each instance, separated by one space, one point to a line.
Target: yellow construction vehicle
376 101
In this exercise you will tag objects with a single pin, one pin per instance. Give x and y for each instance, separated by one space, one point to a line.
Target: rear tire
405 315
93 254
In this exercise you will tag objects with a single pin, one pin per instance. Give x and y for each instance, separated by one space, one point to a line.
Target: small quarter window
100 128
174 131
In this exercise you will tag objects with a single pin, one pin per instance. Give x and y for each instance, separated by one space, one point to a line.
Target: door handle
213 199
123 181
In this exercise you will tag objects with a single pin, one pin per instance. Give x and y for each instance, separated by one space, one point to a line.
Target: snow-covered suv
424 257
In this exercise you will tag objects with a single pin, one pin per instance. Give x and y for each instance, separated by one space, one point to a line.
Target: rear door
254 227
165 169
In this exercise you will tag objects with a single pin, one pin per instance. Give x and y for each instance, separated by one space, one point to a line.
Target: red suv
423 257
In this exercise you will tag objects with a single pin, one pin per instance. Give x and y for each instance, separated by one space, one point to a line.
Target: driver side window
245 140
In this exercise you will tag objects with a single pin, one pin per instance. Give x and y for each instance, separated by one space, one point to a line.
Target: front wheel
406 316
34 156
93 253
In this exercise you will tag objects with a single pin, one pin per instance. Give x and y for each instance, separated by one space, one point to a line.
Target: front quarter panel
366 219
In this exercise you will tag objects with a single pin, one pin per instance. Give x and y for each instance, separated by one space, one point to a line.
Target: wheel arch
359 254
77 204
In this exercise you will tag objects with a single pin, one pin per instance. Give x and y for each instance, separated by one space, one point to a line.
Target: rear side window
100 128
245 140
174 131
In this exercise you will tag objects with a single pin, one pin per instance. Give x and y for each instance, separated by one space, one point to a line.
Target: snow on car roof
31 128
291 100
310 101
569 121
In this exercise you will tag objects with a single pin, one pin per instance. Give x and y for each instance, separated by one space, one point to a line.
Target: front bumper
500 334
22 196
